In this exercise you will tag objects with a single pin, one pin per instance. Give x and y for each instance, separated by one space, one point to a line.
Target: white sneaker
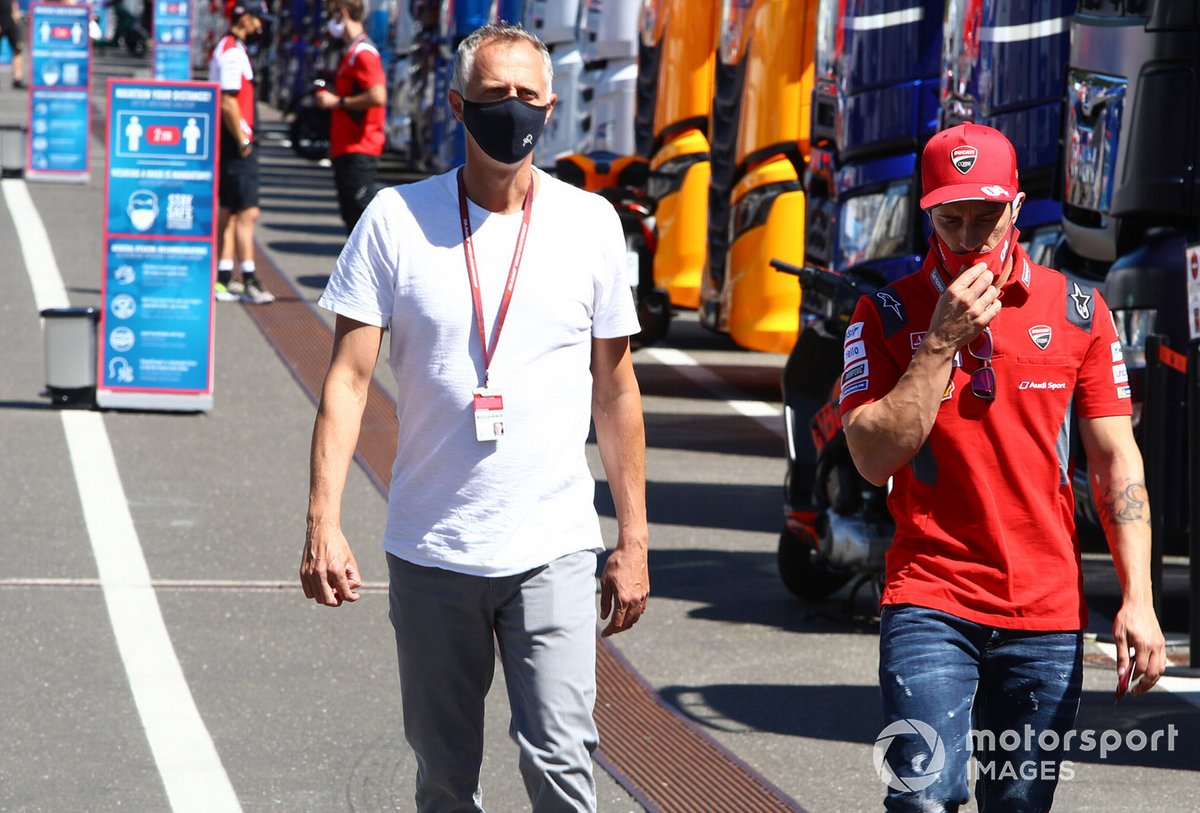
255 294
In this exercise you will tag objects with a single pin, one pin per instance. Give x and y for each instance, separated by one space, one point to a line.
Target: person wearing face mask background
502 291
357 111
960 381
237 184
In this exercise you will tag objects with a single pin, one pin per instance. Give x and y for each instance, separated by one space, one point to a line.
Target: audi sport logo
993 191
963 158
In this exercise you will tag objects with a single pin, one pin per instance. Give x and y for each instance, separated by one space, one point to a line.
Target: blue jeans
983 690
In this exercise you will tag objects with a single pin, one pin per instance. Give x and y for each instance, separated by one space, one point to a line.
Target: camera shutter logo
933 768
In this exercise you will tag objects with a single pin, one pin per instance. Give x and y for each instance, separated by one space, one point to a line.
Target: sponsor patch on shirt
854 372
1124 391
858 386
1042 385
1116 352
854 332
853 352
949 391
915 339
1120 373
1040 335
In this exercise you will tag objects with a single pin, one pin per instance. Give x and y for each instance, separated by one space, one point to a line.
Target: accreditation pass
489 412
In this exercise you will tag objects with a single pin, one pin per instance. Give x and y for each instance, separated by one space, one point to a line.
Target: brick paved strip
663 760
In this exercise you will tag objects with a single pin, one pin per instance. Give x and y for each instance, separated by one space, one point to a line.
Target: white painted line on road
1185 688
48 289
767 415
183 750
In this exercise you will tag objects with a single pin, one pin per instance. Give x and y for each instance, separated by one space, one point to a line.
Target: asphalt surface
301 702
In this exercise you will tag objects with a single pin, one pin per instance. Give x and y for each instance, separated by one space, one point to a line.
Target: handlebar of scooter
813 278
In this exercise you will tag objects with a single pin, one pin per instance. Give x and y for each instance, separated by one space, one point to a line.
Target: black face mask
506 130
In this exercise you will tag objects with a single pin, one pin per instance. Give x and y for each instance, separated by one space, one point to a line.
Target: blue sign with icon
160 223
60 55
172 39
58 133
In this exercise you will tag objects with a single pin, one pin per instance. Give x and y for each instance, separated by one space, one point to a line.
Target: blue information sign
60 57
58 132
172 39
157 325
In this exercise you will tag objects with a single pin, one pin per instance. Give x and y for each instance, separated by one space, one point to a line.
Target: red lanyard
473 272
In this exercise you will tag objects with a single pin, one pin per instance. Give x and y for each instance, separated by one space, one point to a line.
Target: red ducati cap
968 162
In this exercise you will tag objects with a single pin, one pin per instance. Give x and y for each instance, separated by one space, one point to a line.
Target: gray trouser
544 623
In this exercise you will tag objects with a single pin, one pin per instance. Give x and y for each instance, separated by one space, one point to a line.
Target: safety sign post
156 329
60 61
172 39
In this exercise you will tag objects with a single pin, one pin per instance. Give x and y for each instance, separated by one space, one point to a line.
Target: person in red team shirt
357 111
237 186
959 384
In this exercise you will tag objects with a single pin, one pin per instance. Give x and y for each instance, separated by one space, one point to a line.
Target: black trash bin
69 340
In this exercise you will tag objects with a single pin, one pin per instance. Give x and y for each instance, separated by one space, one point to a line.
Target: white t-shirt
491 508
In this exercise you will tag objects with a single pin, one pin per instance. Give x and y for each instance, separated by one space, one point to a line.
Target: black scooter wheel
805 573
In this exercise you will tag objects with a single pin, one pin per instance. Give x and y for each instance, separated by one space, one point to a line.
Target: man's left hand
1136 628
624 588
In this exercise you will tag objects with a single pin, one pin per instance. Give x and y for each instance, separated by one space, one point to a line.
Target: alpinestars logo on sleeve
889 301
1083 302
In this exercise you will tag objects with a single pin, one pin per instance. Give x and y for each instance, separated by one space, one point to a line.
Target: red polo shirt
984 513
357 131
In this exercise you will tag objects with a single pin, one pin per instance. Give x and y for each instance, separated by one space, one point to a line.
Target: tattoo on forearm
1121 506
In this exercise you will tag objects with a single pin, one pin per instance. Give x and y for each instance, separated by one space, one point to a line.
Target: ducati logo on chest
1040 335
963 158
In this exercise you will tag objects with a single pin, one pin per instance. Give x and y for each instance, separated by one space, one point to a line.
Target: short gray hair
464 58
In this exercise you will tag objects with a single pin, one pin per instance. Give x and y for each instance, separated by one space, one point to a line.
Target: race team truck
1131 202
760 149
1004 65
680 36
608 39
556 23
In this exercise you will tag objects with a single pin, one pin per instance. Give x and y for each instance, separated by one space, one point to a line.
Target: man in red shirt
237 186
357 111
959 384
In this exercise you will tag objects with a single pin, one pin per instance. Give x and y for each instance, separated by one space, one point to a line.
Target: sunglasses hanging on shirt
983 379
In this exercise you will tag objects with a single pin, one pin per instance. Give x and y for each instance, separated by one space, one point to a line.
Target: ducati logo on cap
963 158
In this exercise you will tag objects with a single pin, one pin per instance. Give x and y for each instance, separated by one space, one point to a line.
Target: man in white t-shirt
509 317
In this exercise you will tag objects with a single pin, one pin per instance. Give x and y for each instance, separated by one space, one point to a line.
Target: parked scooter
837 527
309 129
